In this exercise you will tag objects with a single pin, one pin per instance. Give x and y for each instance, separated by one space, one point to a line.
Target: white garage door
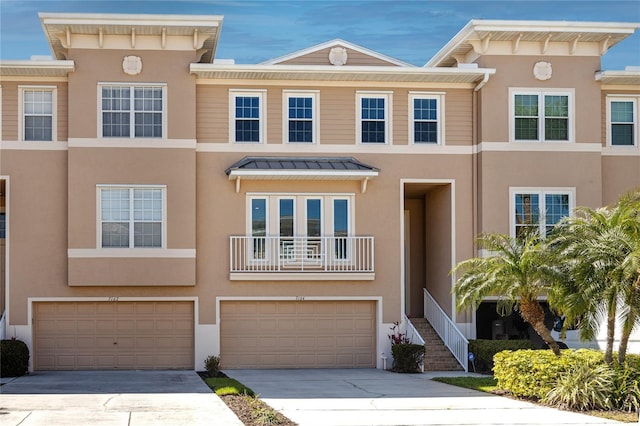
300 334
106 335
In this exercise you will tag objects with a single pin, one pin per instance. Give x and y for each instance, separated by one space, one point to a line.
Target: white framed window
426 121
622 121
131 216
247 116
132 111
373 111
541 115
37 110
300 112
539 208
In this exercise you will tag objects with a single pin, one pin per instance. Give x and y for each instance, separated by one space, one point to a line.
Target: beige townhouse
159 205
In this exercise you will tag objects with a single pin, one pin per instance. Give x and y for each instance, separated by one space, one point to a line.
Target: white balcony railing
447 330
301 254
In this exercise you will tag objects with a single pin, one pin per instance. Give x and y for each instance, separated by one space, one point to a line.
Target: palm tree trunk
611 328
532 312
627 327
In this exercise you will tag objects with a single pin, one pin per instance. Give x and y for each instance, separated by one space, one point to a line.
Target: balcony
301 258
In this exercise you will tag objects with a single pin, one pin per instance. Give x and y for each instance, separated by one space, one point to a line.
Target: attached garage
297 334
113 335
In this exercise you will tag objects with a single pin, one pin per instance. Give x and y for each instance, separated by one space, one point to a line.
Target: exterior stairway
436 357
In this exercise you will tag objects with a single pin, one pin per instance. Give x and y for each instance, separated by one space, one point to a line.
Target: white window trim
541 192
315 111
262 95
54 111
636 131
388 113
513 91
100 187
439 97
163 86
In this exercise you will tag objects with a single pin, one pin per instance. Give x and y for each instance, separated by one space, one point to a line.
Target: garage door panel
288 334
105 335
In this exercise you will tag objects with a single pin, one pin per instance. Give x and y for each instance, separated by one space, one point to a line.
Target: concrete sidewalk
359 397
112 398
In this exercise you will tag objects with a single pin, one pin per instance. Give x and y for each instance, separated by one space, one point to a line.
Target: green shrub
407 357
533 373
227 386
212 365
14 358
584 387
484 350
626 388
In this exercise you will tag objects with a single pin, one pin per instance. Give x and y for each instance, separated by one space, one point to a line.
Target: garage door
105 335
301 334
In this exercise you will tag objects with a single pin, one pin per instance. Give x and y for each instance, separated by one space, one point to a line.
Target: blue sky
254 31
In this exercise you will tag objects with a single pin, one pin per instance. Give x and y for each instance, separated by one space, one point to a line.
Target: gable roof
607 34
336 43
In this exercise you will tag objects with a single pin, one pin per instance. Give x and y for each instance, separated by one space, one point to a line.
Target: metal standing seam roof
319 164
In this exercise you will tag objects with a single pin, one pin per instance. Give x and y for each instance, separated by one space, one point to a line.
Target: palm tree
601 253
517 271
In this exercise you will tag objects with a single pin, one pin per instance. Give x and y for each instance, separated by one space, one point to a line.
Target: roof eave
53 68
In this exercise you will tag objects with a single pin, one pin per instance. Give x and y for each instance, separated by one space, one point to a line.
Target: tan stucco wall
620 174
517 72
132 271
105 66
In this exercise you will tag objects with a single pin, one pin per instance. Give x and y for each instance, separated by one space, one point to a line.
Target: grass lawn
227 386
489 384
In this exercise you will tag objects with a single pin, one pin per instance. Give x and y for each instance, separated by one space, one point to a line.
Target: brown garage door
105 335
304 334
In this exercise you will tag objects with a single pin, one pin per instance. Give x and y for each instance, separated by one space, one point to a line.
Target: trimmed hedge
14 358
484 350
407 357
535 373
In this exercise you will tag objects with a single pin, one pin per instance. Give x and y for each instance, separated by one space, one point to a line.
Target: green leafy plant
227 386
407 357
626 388
14 358
212 365
583 387
484 350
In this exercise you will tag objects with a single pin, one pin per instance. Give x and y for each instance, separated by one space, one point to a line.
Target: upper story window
301 123
622 126
38 106
425 119
542 116
247 116
373 109
132 217
539 209
132 111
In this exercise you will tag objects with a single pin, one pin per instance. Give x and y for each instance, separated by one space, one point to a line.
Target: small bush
626 388
484 350
14 358
407 357
584 387
212 365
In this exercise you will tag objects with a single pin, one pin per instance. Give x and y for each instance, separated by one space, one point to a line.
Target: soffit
619 77
607 34
57 25
36 68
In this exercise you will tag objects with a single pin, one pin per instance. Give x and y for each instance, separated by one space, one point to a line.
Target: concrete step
437 356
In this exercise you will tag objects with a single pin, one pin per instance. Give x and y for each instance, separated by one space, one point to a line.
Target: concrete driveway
111 398
375 397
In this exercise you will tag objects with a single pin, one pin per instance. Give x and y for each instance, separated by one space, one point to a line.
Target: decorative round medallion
132 65
542 70
338 56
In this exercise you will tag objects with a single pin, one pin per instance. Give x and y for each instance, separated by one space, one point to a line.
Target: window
373 111
3 226
38 105
300 112
425 119
132 217
542 116
247 116
539 210
132 111
300 224
623 118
